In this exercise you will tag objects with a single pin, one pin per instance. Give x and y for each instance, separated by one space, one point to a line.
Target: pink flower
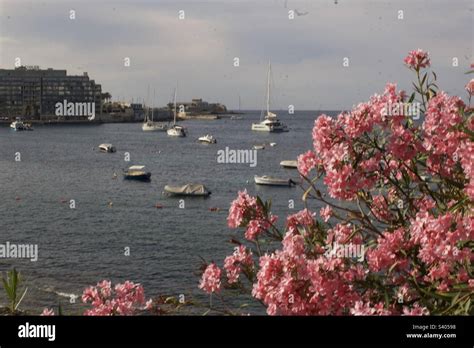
211 279
233 264
441 138
326 213
242 209
304 220
306 162
361 308
47 312
387 252
417 59
470 87
416 310
124 299
255 228
380 208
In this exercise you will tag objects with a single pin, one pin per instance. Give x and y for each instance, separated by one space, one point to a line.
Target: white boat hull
271 181
154 127
289 164
262 127
176 132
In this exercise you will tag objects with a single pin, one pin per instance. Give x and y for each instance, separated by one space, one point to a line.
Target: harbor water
44 171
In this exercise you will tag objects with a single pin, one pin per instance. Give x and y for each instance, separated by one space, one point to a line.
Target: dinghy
195 190
272 181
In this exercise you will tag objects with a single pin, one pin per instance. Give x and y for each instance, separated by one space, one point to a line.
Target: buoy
63 200
158 206
214 209
18 198
111 204
114 176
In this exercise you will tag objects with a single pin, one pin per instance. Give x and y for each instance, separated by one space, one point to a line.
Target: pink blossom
306 162
241 209
233 264
326 213
124 299
470 87
416 310
47 312
211 279
417 59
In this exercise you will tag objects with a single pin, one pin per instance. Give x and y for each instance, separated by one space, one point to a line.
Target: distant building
31 92
199 106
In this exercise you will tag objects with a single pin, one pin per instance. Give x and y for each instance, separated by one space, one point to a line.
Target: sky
198 52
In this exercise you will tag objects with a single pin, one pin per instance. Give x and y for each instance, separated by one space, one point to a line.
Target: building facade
31 92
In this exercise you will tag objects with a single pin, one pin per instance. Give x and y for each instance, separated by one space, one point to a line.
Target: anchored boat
137 173
289 164
207 139
107 148
196 190
175 130
272 181
270 123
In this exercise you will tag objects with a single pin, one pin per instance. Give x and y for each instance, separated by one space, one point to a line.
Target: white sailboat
270 123
151 125
176 130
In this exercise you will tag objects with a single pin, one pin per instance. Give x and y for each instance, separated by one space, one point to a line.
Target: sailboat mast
175 111
153 105
268 87
147 102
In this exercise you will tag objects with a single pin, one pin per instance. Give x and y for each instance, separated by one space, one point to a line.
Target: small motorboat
259 147
151 126
18 125
109 148
137 173
272 181
193 190
207 139
176 131
289 164
273 144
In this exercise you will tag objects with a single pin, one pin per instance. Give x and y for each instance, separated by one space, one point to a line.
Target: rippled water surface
78 247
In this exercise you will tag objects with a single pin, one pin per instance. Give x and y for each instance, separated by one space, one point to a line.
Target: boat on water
149 125
272 181
289 164
193 190
19 125
269 122
137 173
207 139
176 130
109 148
259 147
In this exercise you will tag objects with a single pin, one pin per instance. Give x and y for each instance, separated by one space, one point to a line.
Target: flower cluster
211 279
397 192
123 299
417 59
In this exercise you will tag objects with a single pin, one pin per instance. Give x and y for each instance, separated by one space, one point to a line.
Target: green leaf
424 79
412 97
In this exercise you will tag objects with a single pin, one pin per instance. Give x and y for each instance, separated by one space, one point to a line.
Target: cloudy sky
306 53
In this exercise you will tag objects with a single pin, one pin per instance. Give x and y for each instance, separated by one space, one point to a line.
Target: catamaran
176 130
151 125
269 123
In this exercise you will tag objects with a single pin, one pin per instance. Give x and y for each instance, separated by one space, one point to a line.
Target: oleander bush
398 186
